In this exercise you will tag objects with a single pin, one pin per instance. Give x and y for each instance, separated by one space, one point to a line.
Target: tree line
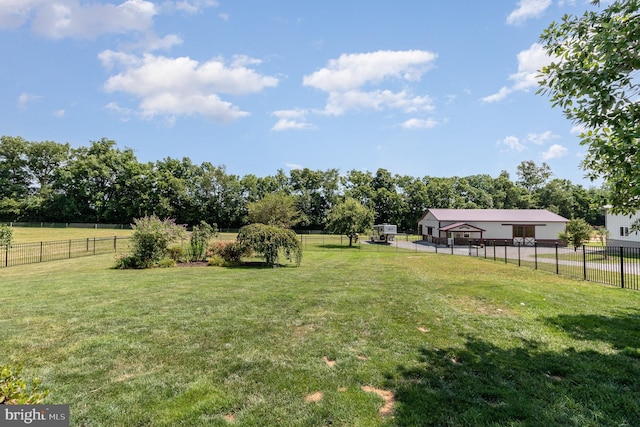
53 182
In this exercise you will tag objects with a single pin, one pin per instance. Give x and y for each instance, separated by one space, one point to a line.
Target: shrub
124 262
200 236
175 252
227 252
233 252
216 248
269 241
14 391
150 240
216 261
6 235
166 262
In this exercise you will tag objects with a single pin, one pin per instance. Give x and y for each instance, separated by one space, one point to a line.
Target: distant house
510 226
619 228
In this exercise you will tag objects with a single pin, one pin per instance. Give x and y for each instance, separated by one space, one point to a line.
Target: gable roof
496 215
461 226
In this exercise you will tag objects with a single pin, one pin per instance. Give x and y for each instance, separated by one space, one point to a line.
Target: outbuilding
619 228
503 226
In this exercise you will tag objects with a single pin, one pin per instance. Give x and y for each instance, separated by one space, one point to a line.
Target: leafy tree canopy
268 241
593 78
578 231
350 218
276 209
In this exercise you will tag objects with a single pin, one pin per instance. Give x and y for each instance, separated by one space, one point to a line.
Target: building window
624 231
429 231
524 231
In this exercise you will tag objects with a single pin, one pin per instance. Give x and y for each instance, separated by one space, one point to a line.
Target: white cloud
555 152
578 129
527 9
58 113
341 102
88 19
498 96
351 79
294 166
420 124
352 71
14 13
26 98
193 6
183 86
71 18
291 119
541 138
513 143
530 61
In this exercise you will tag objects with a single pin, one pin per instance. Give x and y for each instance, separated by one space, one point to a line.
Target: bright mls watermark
34 415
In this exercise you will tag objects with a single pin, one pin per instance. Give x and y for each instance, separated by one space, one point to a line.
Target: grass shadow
622 332
482 384
334 246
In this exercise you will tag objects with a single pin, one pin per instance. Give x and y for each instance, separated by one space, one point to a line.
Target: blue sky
420 88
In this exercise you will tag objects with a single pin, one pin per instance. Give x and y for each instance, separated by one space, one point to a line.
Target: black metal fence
29 253
615 266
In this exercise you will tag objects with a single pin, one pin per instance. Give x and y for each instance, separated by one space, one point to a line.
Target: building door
524 235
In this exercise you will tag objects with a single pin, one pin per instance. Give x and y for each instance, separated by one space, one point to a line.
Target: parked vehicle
383 233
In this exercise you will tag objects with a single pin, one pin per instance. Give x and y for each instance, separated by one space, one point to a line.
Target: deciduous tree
577 232
276 209
350 218
593 79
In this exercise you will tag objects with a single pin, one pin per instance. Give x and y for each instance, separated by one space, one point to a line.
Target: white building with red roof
505 226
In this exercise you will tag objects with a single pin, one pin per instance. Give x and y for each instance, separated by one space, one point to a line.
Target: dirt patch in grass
386 395
314 397
303 330
229 417
329 362
192 264
480 306
423 329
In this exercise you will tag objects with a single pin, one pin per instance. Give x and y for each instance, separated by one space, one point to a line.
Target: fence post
69 248
519 264
622 267
535 254
557 265
115 238
584 262
505 251
6 256
94 245
41 243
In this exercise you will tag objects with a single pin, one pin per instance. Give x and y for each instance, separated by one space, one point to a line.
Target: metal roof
463 227
496 215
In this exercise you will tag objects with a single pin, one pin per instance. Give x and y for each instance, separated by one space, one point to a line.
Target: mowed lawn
45 234
350 338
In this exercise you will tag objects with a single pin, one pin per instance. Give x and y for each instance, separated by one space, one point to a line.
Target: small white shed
517 226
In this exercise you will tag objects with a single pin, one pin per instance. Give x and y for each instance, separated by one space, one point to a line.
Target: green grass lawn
350 338
37 234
